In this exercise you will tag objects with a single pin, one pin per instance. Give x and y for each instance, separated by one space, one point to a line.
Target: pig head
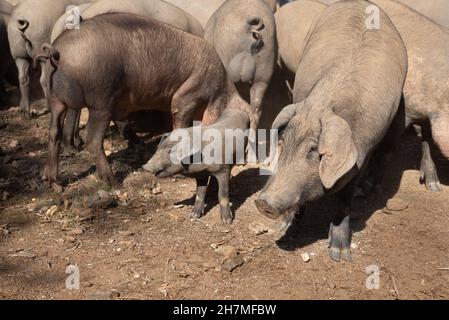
317 155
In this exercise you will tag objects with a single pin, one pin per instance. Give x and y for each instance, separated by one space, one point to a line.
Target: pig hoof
227 220
25 114
196 215
338 253
339 243
227 217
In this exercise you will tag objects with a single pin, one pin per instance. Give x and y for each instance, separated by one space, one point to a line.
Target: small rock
32 206
126 233
176 216
75 232
13 144
257 228
23 254
86 284
227 251
396 204
51 211
305 257
100 200
57 188
232 263
354 245
69 239
157 190
85 214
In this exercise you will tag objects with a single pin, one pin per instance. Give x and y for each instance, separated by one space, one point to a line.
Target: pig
162 166
30 26
426 93
188 81
244 35
6 60
347 91
154 9
293 23
436 10
203 10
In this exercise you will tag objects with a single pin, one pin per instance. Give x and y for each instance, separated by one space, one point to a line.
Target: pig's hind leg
201 189
223 178
428 171
58 111
97 127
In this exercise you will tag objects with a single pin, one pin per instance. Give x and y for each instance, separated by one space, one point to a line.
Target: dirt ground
144 245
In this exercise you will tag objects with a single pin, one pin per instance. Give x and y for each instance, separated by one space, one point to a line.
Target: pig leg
71 139
223 178
43 81
97 127
340 238
257 93
23 66
58 111
428 170
201 188
340 230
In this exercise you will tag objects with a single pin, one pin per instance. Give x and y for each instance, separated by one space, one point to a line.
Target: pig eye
313 149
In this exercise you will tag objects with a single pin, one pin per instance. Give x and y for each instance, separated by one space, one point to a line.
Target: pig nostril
265 209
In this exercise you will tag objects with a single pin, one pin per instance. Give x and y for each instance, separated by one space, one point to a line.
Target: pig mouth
274 213
162 174
267 210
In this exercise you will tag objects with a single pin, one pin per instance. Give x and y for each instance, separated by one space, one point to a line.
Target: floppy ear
337 148
284 117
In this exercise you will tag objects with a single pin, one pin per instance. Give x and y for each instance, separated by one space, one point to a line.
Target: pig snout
151 167
268 207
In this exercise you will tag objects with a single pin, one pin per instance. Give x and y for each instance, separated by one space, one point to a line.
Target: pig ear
284 117
337 148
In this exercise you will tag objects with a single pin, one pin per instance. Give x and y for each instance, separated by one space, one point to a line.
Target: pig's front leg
23 66
201 189
428 171
340 229
223 178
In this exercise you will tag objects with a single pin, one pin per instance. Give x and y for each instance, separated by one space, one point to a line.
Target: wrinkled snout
154 168
150 167
267 207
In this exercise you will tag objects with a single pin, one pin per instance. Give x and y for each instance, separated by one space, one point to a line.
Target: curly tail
48 53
